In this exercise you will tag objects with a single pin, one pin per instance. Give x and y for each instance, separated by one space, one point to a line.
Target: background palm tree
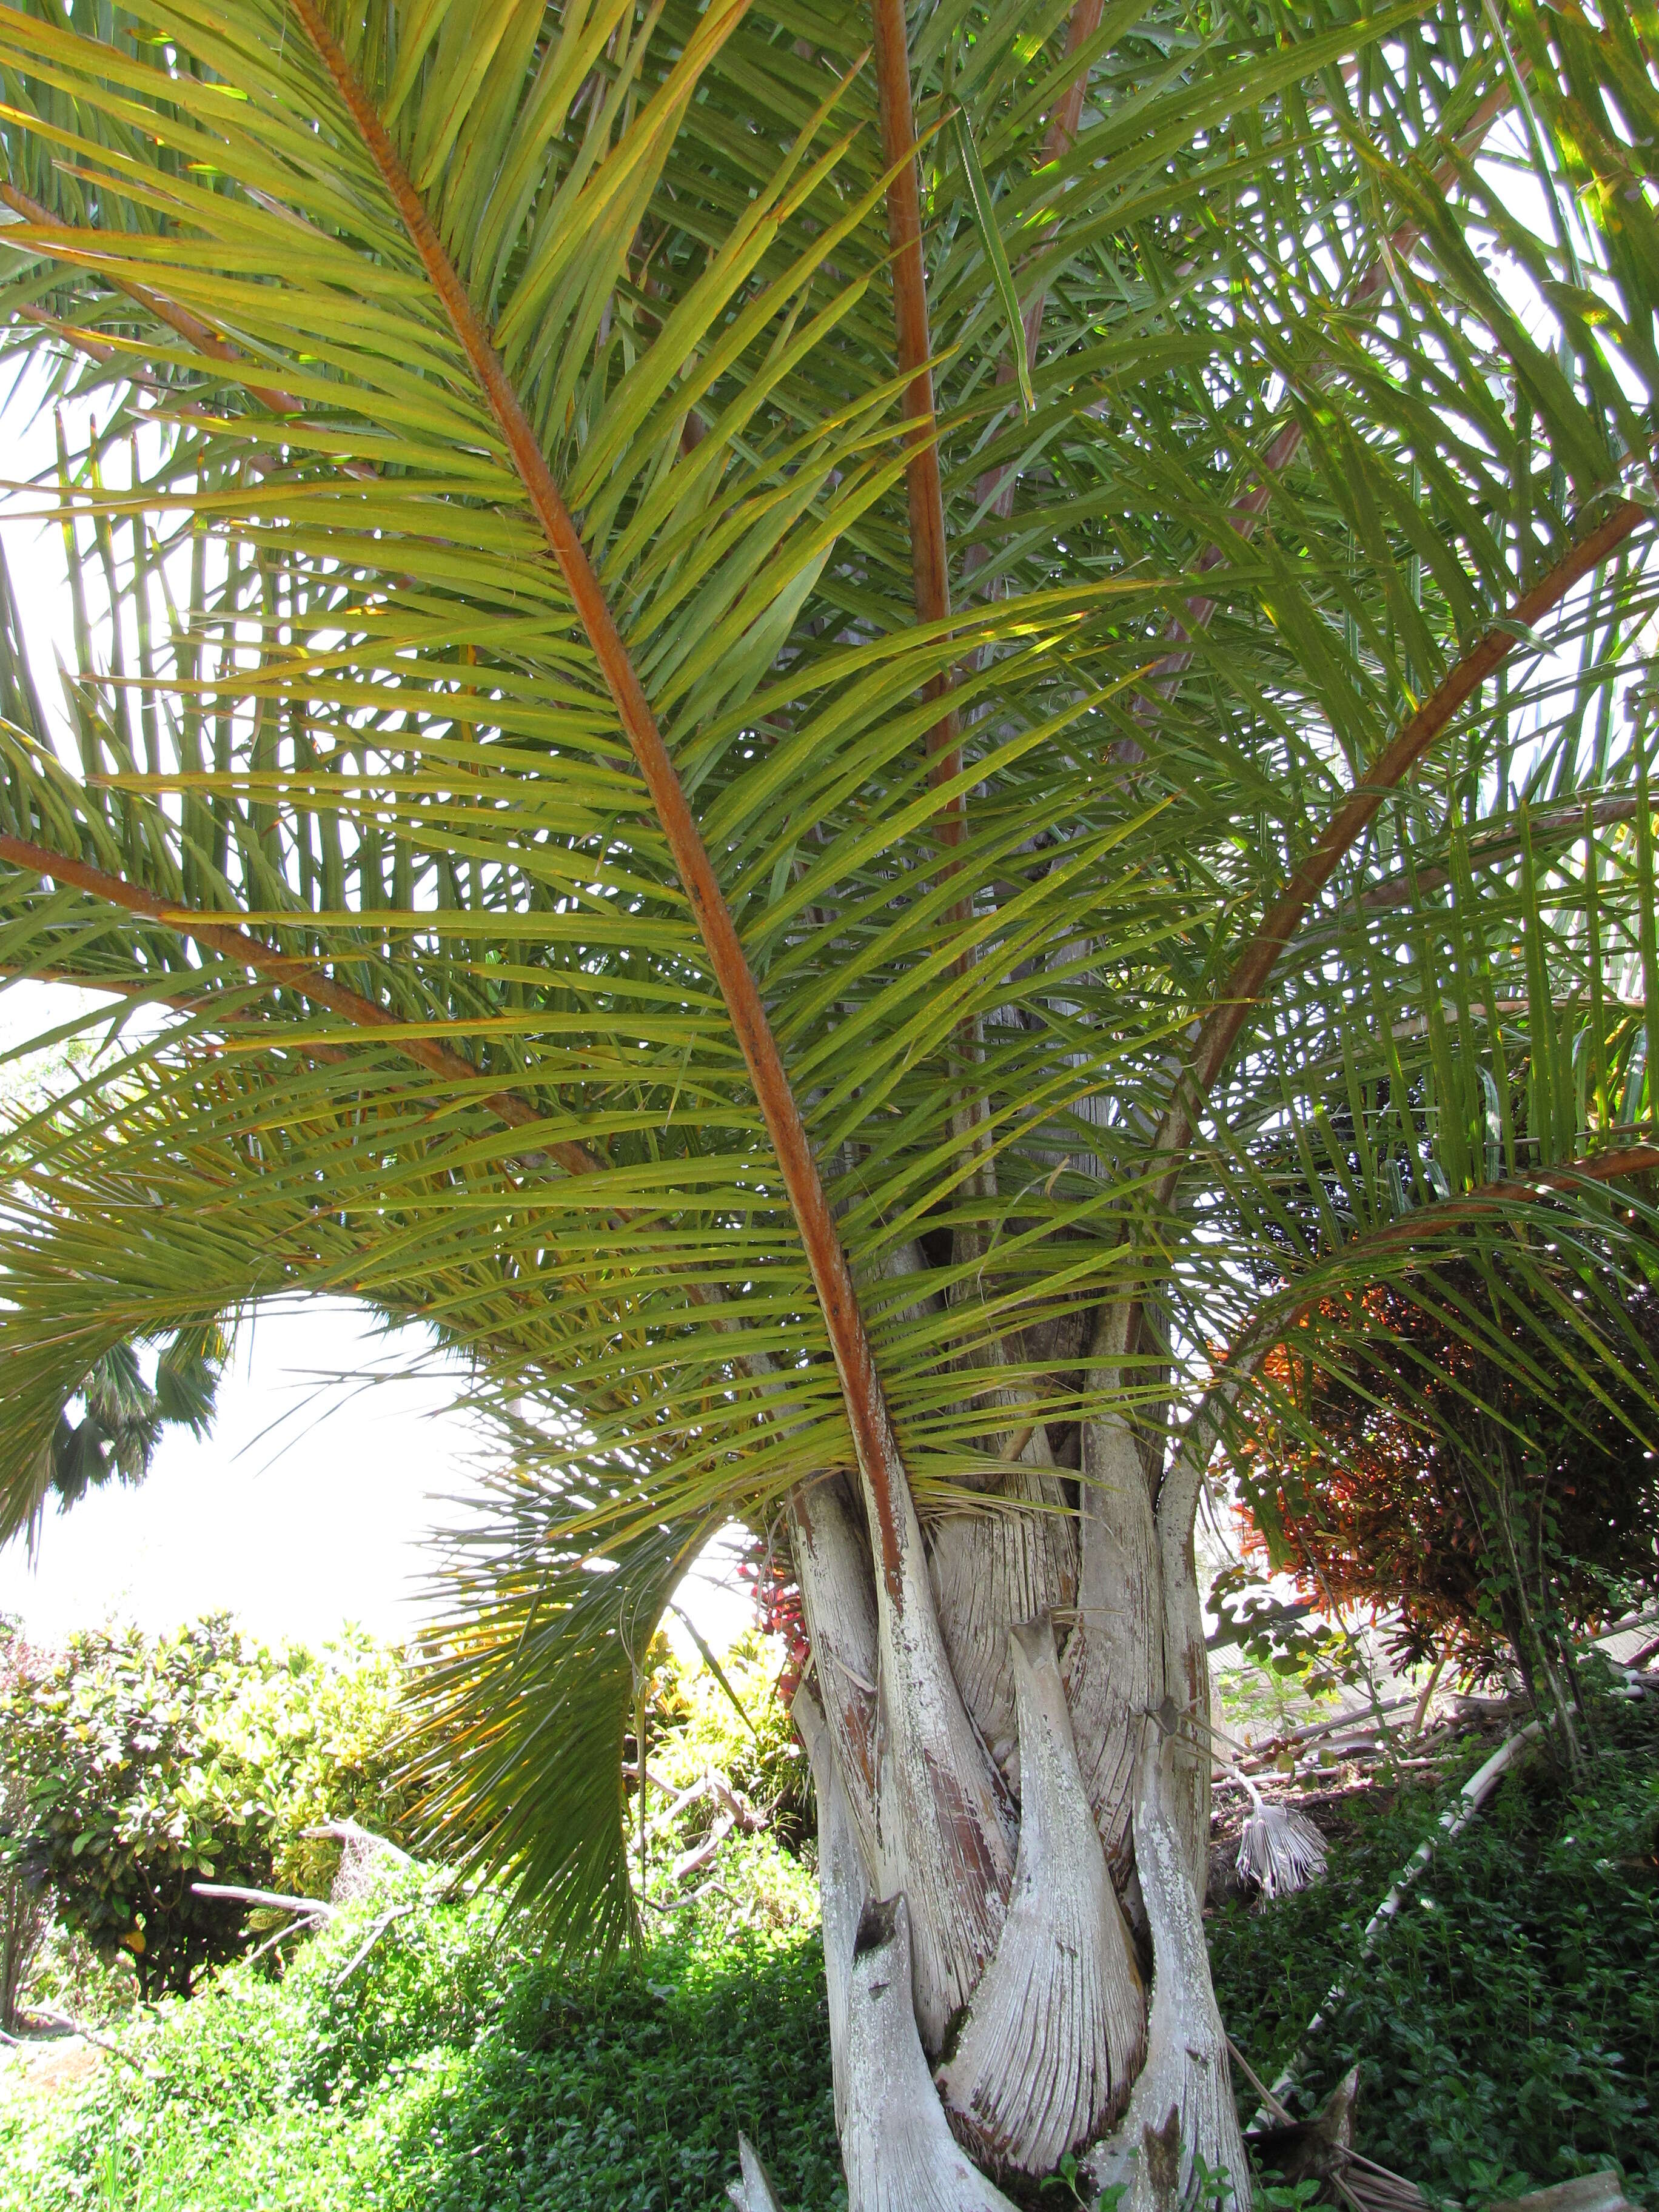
778 678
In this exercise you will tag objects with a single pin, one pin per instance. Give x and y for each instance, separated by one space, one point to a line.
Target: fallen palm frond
1322 2148
1452 1821
1278 1849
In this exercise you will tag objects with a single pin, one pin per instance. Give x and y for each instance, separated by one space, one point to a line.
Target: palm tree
120 1420
780 681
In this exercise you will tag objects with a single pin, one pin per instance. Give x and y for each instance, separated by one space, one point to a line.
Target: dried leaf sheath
1059 2009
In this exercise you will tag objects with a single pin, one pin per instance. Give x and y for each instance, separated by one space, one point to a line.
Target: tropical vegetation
772 707
134 1767
1506 2031
1493 1523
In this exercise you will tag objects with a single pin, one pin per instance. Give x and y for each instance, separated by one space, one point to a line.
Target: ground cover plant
1507 2033
1507 2028
769 704
462 2071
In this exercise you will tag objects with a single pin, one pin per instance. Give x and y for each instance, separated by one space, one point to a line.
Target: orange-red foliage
1428 1452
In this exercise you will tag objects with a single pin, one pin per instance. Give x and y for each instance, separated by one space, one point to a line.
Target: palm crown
770 734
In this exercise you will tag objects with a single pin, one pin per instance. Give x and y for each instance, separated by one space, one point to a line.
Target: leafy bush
460 2070
130 1797
23 1899
145 1765
320 1729
1507 2029
1496 1499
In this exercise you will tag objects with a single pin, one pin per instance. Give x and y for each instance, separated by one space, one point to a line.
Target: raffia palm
798 901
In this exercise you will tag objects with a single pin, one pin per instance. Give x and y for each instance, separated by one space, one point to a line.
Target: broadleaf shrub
1494 1502
142 1766
130 1797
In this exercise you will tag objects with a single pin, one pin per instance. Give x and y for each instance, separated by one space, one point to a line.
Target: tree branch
247 951
1448 1213
1497 846
394 1913
353 1831
930 568
269 1901
71 2026
64 241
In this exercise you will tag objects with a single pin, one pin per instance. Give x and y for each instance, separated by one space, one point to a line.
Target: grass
1507 2031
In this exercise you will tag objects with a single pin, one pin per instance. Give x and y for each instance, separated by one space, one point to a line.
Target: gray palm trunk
1008 1741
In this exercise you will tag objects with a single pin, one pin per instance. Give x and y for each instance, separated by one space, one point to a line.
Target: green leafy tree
111 1423
130 1795
778 677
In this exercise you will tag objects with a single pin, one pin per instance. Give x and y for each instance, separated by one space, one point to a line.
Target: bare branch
700 1854
269 1901
387 1919
351 1832
71 2026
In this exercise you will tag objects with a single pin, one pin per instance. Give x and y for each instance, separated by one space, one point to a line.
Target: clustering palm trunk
1009 1752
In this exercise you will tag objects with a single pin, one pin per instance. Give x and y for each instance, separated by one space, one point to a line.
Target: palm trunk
1011 1773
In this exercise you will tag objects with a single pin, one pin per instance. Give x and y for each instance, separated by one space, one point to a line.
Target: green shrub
459 2070
129 1799
320 1729
23 1899
140 1766
696 1725
1507 2028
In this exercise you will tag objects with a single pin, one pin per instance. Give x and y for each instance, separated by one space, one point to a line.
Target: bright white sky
307 1508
